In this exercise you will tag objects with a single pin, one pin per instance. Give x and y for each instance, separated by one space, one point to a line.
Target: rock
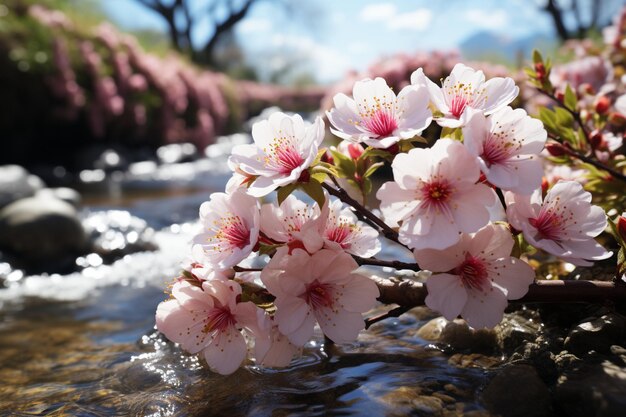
514 330
474 360
411 400
116 233
592 390
68 195
42 232
458 335
17 183
597 334
517 391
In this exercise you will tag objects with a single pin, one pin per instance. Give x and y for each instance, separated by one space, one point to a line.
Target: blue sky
330 37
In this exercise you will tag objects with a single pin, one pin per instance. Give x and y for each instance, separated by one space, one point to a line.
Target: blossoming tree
473 207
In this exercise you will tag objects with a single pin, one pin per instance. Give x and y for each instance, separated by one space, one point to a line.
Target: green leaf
570 99
344 164
366 187
371 152
563 117
265 249
314 190
285 191
452 133
373 169
319 156
537 56
319 176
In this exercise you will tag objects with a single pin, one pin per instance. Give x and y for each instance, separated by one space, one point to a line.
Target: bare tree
586 15
222 15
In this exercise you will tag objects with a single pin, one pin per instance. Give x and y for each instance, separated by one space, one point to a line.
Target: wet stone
458 335
517 391
42 233
16 183
597 334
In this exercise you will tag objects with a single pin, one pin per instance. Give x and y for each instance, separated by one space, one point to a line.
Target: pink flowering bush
476 208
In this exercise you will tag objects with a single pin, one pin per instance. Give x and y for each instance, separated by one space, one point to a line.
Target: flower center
339 233
458 105
497 148
219 319
318 295
382 123
473 272
283 156
436 193
549 224
233 232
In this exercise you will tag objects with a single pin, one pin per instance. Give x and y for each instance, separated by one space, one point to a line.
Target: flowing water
84 344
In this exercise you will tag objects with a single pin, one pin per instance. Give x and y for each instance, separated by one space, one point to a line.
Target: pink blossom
376 116
231 228
463 89
209 319
475 277
320 287
563 224
435 196
293 221
620 104
507 145
283 149
274 350
343 231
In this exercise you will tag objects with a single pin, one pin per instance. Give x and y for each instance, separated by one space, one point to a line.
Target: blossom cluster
460 204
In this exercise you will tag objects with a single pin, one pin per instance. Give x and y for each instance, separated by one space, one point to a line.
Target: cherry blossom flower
463 89
320 287
620 104
275 350
475 277
343 231
294 223
376 117
507 145
563 224
435 196
231 228
283 149
209 319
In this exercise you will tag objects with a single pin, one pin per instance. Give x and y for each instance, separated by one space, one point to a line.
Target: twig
575 114
591 161
363 212
391 264
394 312
241 269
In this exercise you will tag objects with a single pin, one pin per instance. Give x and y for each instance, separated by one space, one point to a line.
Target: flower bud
355 150
540 70
602 104
587 88
617 119
555 149
595 139
560 97
621 226
328 157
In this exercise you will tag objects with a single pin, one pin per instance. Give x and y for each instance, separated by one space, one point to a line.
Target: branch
394 312
391 264
590 160
364 213
226 25
575 114
412 294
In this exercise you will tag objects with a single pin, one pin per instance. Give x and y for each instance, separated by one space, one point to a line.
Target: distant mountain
485 45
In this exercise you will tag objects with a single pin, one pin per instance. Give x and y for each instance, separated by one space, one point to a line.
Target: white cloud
377 12
388 14
417 20
326 63
495 19
254 25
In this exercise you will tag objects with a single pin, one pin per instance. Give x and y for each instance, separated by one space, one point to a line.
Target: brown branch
412 294
390 264
394 312
574 113
363 213
590 160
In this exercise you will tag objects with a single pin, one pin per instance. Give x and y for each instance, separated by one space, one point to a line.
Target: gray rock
68 195
514 330
517 391
17 183
597 334
40 230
